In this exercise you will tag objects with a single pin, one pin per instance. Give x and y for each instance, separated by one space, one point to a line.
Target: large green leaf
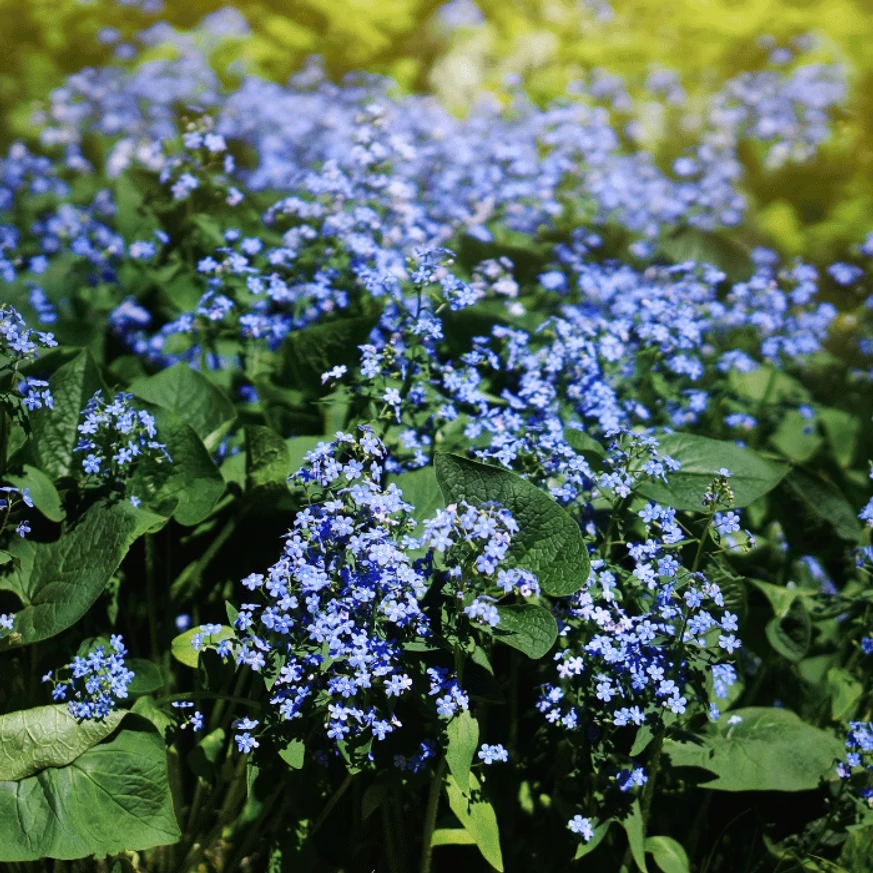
790 634
819 504
767 750
42 491
59 581
463 740
752 475
635 828
55 431
548 544
184 652
527 627
669 855
47 736
420 489
192 398
112 798
268 463
317 349
477 816
186 489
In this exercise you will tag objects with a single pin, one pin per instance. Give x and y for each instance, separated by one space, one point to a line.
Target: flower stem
433 802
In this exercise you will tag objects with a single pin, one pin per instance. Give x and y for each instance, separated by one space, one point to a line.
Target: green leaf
113 798
791 634
55 431
268 464
463 740
186 489
752 475
203 758
548 544
793 441
843 432
529 628
42 491
821 504
584 444
420 489
768 750
634 827
299 447
668 854
47 736
599 833
707 247
192 398
845 691
452 837
186 654
317 349
477 816
644 736
58 582
294 754
147 677
768 385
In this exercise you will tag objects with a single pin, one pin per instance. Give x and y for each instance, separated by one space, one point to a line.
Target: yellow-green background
816 209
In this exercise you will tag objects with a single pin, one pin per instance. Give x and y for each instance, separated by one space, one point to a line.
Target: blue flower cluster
115 435
859 758
20 345
7 622
96 681
344 602
12 496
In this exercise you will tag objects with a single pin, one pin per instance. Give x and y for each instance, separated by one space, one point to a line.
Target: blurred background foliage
817 208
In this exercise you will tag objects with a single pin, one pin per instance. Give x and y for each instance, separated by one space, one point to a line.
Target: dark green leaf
317 349
192 398
147 677
47 736
752 475
55 431
42 491
477 816
294 754
113 798
790 634
529 628
268 464
599 833
186 489
767 750
845 691
185 653
463 740
548 544
584 444
822 504
58 582
634 827
668 854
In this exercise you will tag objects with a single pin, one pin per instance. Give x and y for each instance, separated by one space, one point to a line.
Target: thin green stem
331 803
430 816
152 596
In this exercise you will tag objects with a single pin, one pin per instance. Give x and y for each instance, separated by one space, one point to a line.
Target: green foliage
766 750
112 797
58 582
752 475
549 543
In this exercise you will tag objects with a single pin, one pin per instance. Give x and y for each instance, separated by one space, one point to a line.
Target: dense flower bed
376 481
